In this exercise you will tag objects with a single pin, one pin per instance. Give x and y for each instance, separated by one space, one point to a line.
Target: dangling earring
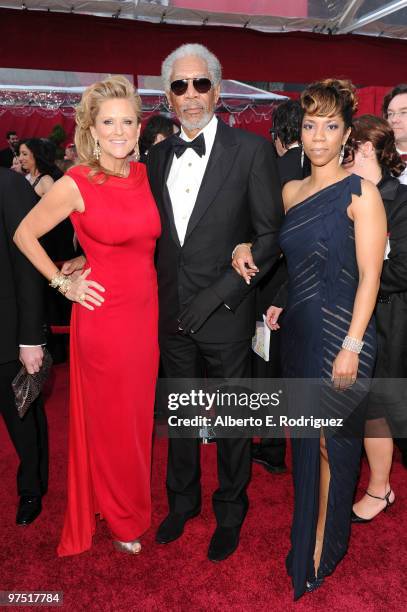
96 150
136 152
341 154
302 156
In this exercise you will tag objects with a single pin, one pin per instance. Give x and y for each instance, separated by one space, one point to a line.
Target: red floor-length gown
114 362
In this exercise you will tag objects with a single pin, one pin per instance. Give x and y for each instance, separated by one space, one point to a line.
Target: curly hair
287 118
157 124
331 97
369 128
113 87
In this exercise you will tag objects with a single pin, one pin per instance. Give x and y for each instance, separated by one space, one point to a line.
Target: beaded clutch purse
27 387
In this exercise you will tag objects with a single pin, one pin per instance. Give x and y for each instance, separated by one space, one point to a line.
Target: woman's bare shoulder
291 192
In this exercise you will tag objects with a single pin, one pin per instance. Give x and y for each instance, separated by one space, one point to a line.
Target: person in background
286 131
156 129
291 165
373 156
7 154
395 111
37 159
22 336
71 153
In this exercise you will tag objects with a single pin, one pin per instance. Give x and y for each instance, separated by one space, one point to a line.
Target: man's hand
73 267
31 358
243 262
198 311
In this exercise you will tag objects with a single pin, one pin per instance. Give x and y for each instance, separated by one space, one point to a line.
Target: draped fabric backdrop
62 41
36 125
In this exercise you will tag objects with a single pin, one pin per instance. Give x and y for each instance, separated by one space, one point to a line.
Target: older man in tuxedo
215 187
22 334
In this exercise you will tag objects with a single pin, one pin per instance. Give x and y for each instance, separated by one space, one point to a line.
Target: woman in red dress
114 345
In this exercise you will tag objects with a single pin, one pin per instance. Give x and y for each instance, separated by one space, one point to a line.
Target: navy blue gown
317 238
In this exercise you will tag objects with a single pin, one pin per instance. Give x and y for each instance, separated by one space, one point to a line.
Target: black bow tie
180 145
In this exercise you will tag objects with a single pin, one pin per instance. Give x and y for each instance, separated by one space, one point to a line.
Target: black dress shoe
224 542
28 509
259 457
172 527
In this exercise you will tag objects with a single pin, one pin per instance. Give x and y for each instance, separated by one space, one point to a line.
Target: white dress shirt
185 178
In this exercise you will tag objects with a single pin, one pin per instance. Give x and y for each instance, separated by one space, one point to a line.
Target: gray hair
214 67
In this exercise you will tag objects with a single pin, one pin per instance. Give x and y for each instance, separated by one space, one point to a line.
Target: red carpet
178 576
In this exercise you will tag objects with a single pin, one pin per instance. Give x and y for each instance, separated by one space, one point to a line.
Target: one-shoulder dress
318 241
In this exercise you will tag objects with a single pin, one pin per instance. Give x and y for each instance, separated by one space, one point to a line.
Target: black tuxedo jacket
21 286
239 201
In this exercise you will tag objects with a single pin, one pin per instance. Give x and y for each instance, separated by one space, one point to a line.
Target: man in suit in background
9 153
286 132
22 337
395 111
215 187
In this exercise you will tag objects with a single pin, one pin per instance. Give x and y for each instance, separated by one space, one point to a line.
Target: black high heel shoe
358 519
313 585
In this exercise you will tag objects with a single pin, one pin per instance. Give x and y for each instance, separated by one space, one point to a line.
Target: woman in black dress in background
333 238
37 156
373 155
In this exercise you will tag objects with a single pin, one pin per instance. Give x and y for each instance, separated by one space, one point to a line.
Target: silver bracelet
352 344
246 244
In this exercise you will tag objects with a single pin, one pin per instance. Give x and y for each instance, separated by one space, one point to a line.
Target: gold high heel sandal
131 548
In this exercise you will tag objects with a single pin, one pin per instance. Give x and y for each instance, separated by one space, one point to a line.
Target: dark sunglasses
201 85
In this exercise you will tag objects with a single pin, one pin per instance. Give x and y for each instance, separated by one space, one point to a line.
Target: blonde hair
87 110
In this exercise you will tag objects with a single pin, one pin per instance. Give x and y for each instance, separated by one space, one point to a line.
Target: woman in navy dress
333 238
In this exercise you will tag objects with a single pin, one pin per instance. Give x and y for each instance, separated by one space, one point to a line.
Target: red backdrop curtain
61 41
36 125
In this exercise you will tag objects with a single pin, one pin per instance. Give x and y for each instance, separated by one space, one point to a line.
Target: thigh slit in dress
318 241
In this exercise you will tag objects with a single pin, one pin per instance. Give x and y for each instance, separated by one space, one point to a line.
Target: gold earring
96 150
136 152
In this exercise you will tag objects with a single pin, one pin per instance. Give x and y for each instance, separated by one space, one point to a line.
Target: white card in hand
261 340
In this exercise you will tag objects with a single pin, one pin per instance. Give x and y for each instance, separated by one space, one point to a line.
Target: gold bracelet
61 283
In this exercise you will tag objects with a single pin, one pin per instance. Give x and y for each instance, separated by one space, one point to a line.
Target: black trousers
28 435
183 357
